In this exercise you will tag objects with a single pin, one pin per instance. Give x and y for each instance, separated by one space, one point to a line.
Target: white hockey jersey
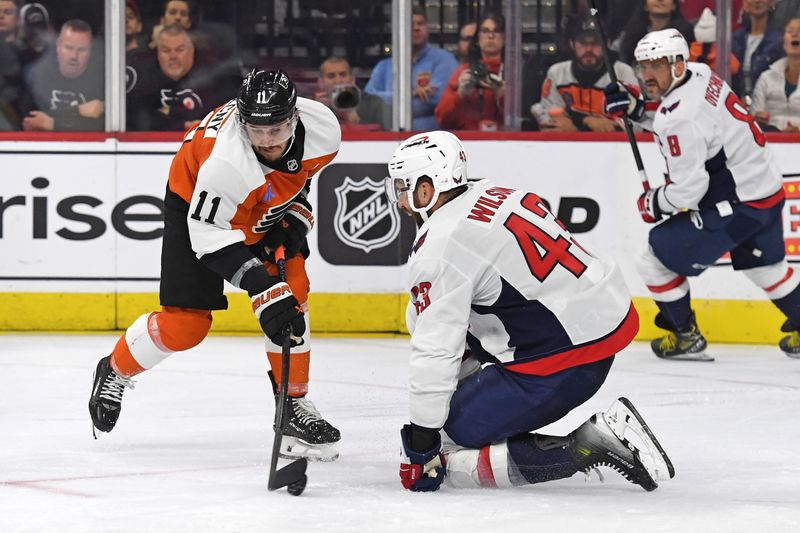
714 150
232 196
495 271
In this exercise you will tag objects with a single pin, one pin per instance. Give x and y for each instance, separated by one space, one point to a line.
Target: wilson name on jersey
232 194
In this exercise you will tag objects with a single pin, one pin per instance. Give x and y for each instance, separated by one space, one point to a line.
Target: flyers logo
420 296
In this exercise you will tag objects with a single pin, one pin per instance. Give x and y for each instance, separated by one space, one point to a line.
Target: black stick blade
294 472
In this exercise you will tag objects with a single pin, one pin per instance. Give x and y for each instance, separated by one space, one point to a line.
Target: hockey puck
297 488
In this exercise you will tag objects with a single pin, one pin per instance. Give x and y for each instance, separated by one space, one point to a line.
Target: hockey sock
790 306
540 458
486 467
678 312
298 371
155 336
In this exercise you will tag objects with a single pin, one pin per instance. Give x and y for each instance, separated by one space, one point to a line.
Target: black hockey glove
421 471
277 308
290 231
624 99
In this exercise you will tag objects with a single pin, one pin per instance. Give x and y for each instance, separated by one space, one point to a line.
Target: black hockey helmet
266 97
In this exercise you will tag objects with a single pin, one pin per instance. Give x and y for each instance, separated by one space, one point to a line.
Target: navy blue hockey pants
496 403
754 237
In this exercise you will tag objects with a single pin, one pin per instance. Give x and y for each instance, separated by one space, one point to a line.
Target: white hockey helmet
437 155
669 44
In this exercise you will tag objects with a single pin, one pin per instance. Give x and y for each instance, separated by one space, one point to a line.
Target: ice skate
601 441
791 343
684 345
105 402
306 433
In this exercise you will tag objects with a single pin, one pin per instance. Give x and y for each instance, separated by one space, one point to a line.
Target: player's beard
594 64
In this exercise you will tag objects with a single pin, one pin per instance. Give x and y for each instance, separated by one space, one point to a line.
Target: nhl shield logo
364 219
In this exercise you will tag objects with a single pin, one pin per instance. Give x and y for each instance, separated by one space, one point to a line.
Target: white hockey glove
648 206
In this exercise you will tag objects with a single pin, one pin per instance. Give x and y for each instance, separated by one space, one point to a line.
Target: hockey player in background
497 281
723 193
237 189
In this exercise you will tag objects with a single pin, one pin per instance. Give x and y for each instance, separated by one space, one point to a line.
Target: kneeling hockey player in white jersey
723 192
513 325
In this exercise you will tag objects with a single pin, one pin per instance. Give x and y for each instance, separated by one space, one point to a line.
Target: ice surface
192 447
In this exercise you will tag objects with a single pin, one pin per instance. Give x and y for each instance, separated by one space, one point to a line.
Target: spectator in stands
10 87
692 10
757 44
431 68
704 48
776 98
337 89
36 35
176 95
67 88
615 14
176 12
466 35
572 93
786 10
134 40
475 95
652 15
9 20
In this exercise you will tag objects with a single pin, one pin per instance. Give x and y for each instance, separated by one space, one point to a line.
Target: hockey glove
421 472
624 99
277 308
648 206
291 230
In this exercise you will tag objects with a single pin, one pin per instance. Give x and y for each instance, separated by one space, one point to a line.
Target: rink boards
80 228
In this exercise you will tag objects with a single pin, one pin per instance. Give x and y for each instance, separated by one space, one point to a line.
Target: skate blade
621 416
294 448
699 356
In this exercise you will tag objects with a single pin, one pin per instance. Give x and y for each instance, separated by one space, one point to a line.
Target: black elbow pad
237 264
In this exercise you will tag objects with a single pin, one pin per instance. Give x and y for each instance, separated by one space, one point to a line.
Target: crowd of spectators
179 66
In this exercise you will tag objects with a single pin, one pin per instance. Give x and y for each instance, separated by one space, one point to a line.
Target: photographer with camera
473 99
572 92
354 108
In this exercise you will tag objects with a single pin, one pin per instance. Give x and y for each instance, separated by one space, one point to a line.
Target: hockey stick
292 476
626 121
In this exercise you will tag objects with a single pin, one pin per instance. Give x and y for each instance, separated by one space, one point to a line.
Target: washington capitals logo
269 195
670 109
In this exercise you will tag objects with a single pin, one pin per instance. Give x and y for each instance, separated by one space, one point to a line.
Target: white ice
192 447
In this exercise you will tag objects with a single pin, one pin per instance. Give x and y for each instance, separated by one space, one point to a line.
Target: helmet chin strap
424 212
675 79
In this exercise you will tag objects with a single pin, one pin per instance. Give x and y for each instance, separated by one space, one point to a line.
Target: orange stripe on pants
174 329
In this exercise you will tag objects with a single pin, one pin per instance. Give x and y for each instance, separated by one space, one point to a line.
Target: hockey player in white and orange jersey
513 324
237 189
723 194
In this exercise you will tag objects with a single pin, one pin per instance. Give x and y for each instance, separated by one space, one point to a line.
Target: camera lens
345 97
